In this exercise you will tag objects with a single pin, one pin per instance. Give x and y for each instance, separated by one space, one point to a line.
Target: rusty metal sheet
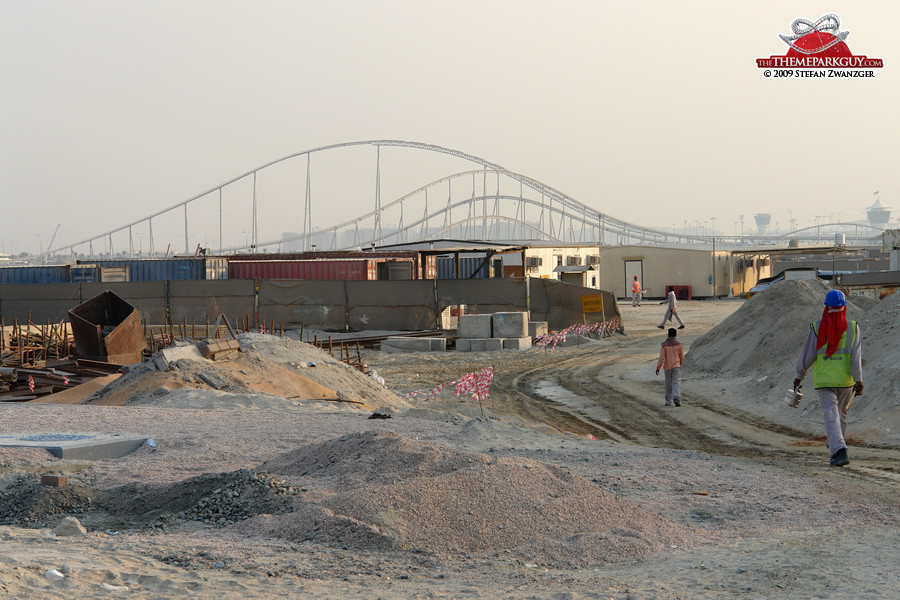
108 329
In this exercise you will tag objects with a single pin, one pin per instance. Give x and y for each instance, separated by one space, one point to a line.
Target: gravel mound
379 489
372 457
234 497
27 503
214 500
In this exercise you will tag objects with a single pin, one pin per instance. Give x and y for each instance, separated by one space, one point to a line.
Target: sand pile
379 490
759 344
880 330
766 333
270 372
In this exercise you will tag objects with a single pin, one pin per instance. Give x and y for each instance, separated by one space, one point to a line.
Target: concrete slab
523 343
509 324
474 326
538 328
84 446
413 344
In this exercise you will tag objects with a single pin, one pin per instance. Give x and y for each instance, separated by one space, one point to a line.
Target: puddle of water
556 393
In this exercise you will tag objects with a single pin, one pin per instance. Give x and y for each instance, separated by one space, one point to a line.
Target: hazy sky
653 112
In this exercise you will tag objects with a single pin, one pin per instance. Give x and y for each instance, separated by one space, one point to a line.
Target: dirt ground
710 501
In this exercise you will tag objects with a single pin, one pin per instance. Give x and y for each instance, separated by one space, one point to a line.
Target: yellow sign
592 304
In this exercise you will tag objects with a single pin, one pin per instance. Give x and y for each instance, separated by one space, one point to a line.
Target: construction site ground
570 480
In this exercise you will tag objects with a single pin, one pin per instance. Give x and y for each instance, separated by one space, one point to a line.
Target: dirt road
613 393
761 513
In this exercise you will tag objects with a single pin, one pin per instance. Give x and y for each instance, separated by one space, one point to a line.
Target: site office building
695 273
701 272
573 264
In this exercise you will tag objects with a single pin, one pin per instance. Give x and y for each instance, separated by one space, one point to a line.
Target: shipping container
35 274
349 270
172 269
446 267
84 274
215 268
396 270
114 274
422 264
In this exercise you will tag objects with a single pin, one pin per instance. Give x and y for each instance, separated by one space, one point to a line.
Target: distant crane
52 239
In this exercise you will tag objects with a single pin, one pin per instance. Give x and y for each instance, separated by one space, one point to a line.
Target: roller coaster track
562 219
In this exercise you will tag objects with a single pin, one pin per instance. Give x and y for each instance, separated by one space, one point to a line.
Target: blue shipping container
37 274
159 269
156 269
446 267
84 274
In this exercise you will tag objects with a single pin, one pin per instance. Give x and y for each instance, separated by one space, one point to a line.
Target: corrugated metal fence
328 305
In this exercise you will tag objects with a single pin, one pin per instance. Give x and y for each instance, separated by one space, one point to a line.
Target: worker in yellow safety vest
635 292
834 350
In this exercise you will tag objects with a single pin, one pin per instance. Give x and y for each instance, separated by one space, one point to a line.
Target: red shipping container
424 265
347 270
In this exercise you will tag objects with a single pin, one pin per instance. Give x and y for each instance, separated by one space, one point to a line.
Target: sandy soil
570 481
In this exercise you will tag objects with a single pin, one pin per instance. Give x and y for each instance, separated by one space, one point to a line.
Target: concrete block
474 326
537 328
486 344
509 324
413 344
463 345
493 344
522 343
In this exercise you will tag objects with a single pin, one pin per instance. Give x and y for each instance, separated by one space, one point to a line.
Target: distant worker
671 356
635 292
671 311
834 351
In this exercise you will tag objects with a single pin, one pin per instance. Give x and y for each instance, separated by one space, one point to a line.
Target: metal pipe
9 374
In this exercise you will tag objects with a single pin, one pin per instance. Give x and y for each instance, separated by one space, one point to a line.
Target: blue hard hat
835 298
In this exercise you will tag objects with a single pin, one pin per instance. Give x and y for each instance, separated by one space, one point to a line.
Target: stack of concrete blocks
499 331
414 344
538 328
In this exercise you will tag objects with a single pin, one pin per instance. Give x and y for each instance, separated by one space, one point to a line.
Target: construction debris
107 328
33 345
221 350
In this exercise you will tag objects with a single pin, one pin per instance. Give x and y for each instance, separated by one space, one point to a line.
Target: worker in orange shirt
671 356
635 292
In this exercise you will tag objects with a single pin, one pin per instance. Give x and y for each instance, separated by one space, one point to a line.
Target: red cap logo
819 44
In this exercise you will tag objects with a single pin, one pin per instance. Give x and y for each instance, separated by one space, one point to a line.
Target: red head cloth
833 325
